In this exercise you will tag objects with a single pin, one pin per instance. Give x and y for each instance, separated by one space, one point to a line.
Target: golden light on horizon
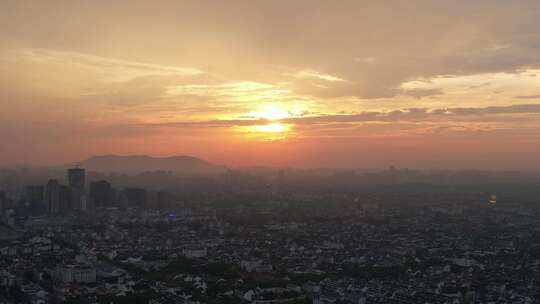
267 132
272 128
382 87
270 112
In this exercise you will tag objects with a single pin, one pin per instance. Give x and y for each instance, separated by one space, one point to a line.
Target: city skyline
363 84
280 236
269 152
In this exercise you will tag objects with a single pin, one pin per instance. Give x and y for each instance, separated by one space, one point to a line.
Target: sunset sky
419 84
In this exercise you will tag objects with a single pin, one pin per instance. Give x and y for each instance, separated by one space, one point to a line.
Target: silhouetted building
34 199
76 180
52 196
86 203
101 193
65 199
136 197
76 177
6 202
34 194
164 200
3 202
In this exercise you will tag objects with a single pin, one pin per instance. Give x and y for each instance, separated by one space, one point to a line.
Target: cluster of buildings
399 246
52 198
55 198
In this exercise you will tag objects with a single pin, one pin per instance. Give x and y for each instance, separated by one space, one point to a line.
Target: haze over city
269 152
420 84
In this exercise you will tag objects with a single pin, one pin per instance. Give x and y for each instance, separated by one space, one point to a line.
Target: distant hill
143 163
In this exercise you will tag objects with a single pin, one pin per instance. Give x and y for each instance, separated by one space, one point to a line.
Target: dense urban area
270 236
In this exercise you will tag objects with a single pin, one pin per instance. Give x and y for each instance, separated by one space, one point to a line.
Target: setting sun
267 132
215 81
270 112
272 128
251 151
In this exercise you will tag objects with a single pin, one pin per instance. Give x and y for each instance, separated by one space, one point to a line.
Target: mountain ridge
183 164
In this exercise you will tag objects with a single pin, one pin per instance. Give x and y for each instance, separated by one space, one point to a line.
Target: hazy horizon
62 166
270 151
362 84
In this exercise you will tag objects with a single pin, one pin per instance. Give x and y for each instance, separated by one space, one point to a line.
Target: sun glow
270 112
268 123
272 128
268 132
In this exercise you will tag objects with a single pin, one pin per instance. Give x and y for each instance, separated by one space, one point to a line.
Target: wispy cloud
412 115
242 91
116 69
318 75
528 96
421 93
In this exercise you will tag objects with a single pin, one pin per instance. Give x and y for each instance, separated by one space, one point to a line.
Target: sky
418 84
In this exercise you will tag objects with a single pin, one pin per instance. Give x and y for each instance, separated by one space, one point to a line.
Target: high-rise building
6 202
87 204
34 194
64 199
76 180
3 201
164 200
76 177
52 196
136 197
101 193
35 199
